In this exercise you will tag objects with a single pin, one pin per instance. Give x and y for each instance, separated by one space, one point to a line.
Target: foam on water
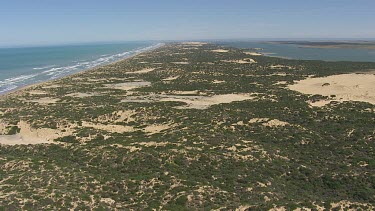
51 72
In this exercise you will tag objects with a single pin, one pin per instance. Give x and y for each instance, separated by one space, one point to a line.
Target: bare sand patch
192 101
281 83
52 86
171 78
279 66
204 102
243 61
193 92
258 120
220 51
153 129
180 62
44 100
37 92
217 82
146 70
253 53
197 44
275 123
29 135
345 87
269 122
128 85
109 128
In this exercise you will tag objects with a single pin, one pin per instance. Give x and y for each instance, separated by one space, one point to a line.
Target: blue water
24 66
293 51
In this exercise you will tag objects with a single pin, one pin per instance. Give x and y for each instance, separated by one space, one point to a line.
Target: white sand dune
345 87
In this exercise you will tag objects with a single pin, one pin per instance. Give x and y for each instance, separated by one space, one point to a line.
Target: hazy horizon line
51 44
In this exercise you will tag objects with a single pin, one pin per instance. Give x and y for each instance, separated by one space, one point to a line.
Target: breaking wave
52 72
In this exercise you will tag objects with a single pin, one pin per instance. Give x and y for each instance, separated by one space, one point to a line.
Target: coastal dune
345 87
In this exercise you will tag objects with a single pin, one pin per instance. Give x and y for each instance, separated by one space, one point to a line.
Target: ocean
293 51
23 66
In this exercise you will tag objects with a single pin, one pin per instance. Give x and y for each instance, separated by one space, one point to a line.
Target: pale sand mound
152 129
197 44
269 122
275 123
243 61
279 66
253 53
171 78
204 102
30 135
147 70
193 92
37 92
44 101
180 62
217 82
192 101
128 85
345 87
220 51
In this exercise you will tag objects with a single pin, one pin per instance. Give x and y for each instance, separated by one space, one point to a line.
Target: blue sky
30 22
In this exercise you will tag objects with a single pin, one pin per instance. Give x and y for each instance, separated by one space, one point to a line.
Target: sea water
293 51
23 66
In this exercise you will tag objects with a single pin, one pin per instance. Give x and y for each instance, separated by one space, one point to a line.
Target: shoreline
22 88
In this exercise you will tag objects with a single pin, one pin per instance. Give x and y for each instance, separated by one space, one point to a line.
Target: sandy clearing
275 123
180 62
281 83
217 82
268 122
52 86
128 85
345 87
153 129
279 66
146 70
193 92
44 100
243 61
37 92
220 51
29 135
258 120
192 101
2 127
109 128
171 78
197 44
204 102
253 53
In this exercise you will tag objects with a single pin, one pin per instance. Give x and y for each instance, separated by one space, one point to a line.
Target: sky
34 22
